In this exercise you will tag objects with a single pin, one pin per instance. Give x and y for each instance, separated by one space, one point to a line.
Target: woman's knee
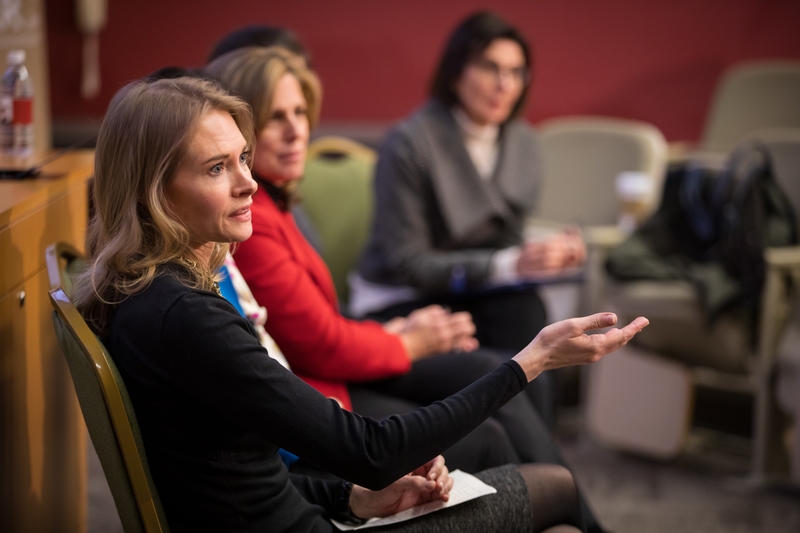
553 495
550 474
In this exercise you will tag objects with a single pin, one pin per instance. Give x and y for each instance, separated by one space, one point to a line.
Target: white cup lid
634 186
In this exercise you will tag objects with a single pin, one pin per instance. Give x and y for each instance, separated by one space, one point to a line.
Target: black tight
554 497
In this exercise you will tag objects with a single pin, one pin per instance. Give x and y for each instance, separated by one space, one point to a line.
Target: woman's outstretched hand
566 343
429 482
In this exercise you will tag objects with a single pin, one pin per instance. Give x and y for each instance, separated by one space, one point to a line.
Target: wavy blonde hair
253 73
141 144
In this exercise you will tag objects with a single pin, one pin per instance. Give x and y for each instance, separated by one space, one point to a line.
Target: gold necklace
192 264
215 288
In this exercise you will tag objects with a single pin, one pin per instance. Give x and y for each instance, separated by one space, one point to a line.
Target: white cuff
503 269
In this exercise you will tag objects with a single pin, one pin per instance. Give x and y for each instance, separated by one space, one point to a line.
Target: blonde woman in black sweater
172 191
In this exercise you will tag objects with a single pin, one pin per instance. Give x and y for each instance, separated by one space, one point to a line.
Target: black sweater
214 408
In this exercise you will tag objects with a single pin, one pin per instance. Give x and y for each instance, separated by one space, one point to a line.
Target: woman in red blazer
375 369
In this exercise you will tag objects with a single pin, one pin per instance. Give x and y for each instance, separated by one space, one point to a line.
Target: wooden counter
43 485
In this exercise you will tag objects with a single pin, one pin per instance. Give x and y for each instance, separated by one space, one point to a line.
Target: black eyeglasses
520 74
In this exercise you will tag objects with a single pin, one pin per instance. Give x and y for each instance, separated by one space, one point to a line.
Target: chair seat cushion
639 402
679 328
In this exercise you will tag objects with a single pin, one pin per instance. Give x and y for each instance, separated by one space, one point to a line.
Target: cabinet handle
22 298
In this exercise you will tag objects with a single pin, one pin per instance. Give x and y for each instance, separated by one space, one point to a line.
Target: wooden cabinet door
43 469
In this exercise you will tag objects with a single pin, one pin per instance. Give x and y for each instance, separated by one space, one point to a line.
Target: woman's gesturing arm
218 362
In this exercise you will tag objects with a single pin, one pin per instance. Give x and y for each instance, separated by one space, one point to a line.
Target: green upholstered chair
110 419
337 196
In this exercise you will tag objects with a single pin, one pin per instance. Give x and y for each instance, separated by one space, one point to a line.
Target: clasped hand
432 330
563 250
427 483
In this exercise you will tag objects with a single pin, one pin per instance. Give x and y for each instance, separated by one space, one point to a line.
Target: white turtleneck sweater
481 144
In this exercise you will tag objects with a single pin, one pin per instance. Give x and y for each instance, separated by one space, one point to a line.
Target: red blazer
289 278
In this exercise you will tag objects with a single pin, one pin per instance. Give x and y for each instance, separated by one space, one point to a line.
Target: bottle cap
15 57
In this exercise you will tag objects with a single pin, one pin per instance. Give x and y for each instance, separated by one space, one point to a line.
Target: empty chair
582 158
110 419
753 96
679 346
337 196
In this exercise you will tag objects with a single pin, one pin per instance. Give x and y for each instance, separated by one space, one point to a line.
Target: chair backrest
337 195
752 96
582 158
784 148
63 261
110 419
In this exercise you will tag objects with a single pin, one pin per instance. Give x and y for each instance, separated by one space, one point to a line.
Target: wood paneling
42 436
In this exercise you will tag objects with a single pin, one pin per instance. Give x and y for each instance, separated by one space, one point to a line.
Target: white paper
466 487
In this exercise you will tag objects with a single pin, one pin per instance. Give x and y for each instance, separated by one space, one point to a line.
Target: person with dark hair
170 73
376 369
263 36
454 185
173 190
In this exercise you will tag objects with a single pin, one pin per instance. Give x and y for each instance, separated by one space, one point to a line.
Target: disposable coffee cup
634 191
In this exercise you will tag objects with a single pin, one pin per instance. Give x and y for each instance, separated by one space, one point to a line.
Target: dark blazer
434 212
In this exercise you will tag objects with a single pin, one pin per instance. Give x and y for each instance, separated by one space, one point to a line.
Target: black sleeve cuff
523 379
343 513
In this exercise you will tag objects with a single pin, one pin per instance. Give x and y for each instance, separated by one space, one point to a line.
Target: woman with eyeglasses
454 185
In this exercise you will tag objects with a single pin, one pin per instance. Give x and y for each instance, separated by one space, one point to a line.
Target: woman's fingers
566 343
622 336
395 325
430 312
467 344
434 468
538 257
446 485
435 330
439 474
601 344
560 251
462 329
461 325
595 321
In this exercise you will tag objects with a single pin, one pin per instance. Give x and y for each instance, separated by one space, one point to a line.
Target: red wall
645 59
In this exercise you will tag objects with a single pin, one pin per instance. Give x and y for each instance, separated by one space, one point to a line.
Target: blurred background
654 62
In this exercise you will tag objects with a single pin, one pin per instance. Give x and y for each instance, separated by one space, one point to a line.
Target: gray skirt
508 511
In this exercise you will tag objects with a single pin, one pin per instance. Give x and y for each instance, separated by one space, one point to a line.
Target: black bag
711 229
757 215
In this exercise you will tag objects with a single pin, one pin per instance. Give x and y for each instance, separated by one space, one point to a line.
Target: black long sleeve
214 408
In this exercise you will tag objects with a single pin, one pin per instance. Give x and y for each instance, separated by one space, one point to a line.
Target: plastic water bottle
16 107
